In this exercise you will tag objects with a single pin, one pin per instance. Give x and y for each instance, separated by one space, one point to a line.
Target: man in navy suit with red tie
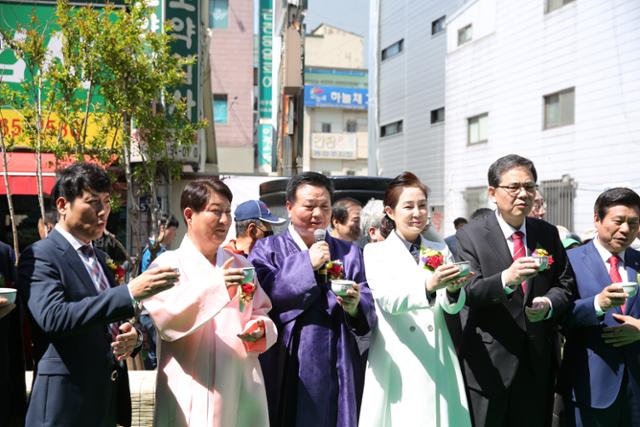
600 379
76 307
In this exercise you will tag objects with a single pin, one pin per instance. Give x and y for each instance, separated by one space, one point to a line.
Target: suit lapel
495 239
632 265
105 268
71 258
532 244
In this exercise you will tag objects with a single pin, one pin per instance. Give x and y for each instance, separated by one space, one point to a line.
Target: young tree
111 75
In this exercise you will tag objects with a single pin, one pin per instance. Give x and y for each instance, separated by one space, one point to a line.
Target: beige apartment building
232 59
335 103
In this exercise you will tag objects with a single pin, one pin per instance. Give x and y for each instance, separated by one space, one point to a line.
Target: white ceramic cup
542 262
341 286
631 288
464 266
9 294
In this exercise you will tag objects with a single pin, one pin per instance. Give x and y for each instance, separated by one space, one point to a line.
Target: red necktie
615 275
519 252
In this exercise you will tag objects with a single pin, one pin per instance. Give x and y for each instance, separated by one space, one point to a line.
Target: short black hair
308 178
197 193
506 163
78 178
481 213
340 209
168 221
50 217
459 221
615 196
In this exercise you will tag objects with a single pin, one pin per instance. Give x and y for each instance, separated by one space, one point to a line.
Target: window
326 127
352 126
393 50
437 116
559 108
220 108
391 129
218 14
437 26
477 128
551 5
475 198
464 34
558 196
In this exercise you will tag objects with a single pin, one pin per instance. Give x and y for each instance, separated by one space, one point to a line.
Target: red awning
22 173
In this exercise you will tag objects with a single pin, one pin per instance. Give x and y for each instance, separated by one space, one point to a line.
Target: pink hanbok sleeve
196 298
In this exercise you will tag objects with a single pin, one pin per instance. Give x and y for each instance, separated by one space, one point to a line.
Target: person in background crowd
345 219
600 375
213 323
79 349
167 227
413 377
370 221
481 213
50 220
13 396
451 242
314 374
539 209
508 344
254 221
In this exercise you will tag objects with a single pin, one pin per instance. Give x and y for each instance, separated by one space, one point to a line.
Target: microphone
318 236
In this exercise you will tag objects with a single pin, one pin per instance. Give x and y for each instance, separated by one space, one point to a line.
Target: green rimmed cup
248 274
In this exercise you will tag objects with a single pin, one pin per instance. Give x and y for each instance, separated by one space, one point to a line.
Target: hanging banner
265 75
183 15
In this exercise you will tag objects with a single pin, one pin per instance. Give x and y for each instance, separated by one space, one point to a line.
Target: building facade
552 80
335 103
231 57
407 92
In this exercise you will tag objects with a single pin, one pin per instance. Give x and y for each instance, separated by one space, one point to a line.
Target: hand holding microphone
319 252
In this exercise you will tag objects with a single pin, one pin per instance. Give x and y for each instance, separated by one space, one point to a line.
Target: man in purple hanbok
314 374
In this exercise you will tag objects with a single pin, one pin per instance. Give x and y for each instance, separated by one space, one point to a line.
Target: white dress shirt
605 255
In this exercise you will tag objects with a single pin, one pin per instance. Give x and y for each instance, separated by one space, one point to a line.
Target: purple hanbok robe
314 374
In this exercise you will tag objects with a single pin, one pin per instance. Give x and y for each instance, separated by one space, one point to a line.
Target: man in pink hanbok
212 325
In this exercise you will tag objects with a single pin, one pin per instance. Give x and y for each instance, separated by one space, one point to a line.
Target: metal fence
559 195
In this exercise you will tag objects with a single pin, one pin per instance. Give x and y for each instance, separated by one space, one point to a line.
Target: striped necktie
99 278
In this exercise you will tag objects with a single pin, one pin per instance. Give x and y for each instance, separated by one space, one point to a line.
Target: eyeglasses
514 189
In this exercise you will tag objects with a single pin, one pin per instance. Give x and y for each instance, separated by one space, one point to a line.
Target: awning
22 173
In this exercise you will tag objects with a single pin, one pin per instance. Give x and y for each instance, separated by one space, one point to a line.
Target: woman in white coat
413 376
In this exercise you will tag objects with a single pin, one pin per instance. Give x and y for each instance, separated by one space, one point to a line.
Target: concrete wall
411 85
587 44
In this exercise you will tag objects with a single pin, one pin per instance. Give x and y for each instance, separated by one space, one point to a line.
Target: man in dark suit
600 379
13 397
506 338
79 348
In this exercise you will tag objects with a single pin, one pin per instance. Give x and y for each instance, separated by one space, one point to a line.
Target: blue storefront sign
336 97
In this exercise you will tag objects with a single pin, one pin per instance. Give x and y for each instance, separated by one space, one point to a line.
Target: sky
349 15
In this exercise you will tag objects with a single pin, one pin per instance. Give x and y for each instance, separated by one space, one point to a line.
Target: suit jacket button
430 328
412 328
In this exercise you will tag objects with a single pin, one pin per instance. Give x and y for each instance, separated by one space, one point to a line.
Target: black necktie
415 251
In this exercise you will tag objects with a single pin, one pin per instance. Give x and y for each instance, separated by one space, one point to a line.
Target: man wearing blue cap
253 221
